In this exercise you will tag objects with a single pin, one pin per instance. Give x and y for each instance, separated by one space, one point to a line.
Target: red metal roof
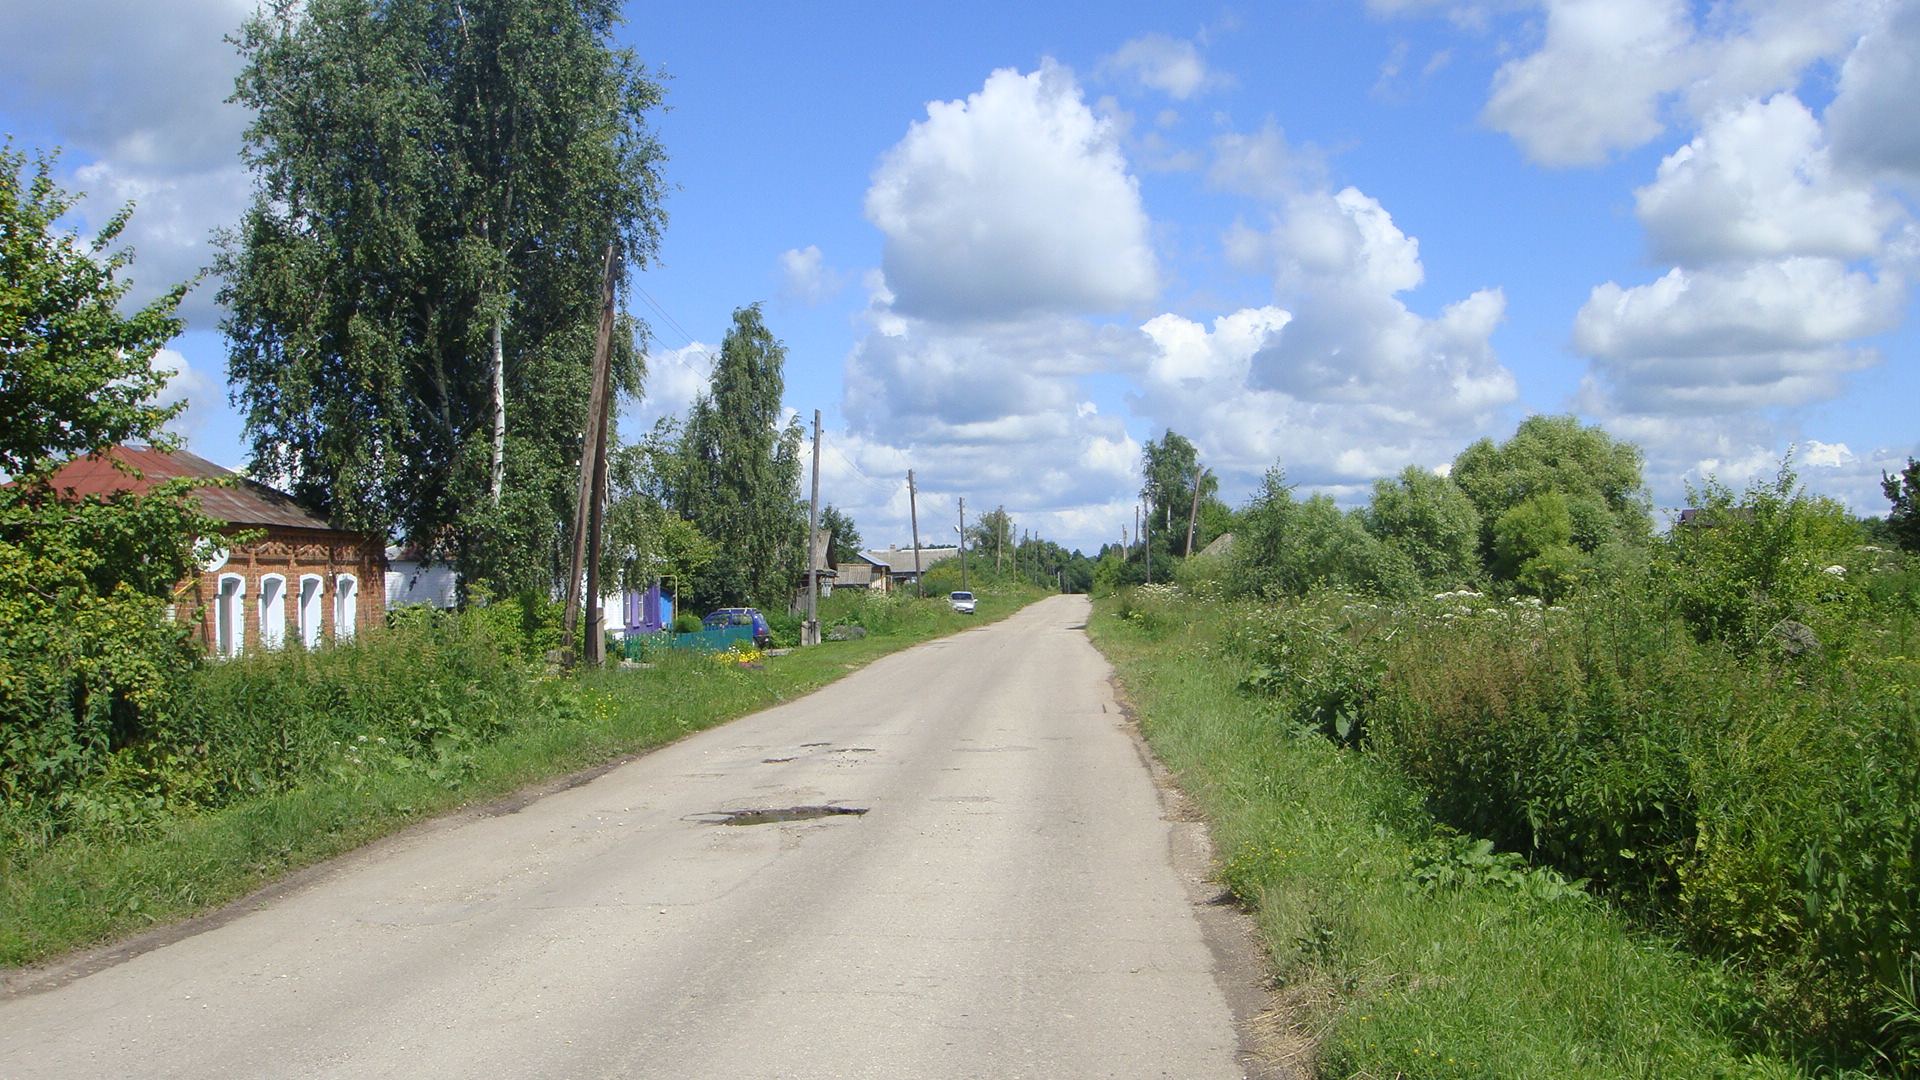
246 503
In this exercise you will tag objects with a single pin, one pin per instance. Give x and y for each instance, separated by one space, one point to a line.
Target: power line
671 321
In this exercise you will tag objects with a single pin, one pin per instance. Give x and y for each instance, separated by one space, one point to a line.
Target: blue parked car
742 616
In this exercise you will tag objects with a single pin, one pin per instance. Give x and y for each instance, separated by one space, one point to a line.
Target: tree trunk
498 369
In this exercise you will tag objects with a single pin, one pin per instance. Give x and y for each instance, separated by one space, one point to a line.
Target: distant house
302 581
894 567
414 578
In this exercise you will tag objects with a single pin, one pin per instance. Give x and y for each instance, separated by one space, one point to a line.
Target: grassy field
1401 948
303 756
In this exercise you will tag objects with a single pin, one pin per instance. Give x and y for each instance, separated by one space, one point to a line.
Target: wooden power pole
913 515
963 543
592 490
810 634
1193 516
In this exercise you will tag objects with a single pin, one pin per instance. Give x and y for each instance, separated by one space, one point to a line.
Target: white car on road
961 601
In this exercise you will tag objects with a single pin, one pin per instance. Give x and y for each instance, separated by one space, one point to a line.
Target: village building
300 580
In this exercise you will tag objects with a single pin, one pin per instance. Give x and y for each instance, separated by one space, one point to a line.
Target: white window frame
230 615
346 605
273 611
313 589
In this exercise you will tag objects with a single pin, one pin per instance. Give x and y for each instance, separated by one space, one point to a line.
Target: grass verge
96 885
1401 950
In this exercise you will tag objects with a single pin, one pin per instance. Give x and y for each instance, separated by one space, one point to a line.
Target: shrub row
1764 805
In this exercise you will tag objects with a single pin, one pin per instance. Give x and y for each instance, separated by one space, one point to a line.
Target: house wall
293 553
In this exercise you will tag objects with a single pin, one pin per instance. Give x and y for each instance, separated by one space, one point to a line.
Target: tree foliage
1599 479
1903 491
738 477
643 539
87 648
1432 522
844 536
435 185
76 376
1169 465
1746 561
993 532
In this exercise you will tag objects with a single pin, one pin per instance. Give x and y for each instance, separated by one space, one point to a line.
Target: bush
1744 564
419 695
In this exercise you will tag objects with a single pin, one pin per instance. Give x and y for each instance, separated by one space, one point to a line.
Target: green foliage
738 475
436 184
75 375
991 536
1322 659
1398 947
844 542
1287 548
1599 480
1745 563
90 658
1903 491
1169 466
643 539
1432 522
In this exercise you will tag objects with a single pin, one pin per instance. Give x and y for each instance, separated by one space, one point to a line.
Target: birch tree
412 292
739 474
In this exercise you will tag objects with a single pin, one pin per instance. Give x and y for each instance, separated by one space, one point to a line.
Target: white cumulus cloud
1015 200
806 278
1872 114
139 91
1765 334
1758 181
1607 73
1170 65
1595 84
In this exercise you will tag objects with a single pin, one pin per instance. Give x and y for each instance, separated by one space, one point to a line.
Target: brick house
302 581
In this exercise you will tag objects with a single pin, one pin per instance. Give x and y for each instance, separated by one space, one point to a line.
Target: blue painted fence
640 646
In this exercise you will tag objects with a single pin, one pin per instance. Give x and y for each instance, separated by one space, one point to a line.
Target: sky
1007 244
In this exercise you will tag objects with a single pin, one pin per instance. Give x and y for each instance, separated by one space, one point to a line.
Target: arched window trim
346 602
273 611
230 615
310 609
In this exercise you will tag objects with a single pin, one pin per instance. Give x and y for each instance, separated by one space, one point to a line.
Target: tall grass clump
1400 946
420 695
1726 745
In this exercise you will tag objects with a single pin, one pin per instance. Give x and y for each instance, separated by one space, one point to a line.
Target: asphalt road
1007 906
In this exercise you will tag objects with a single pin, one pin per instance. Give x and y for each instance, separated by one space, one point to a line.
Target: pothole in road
790 813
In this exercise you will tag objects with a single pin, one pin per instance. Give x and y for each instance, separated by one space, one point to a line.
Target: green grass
104 881
1503 974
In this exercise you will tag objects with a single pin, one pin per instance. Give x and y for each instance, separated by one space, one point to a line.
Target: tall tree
993 532
1903 491
739 474
412 292
1427 517
1169 466
845 543
75 376
1599 479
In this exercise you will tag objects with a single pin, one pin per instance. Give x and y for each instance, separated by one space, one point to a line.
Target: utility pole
1146 543
810 633
913 515
1193 516
963 543
592 488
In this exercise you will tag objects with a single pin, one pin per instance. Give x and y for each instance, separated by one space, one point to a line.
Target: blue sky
1007 244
